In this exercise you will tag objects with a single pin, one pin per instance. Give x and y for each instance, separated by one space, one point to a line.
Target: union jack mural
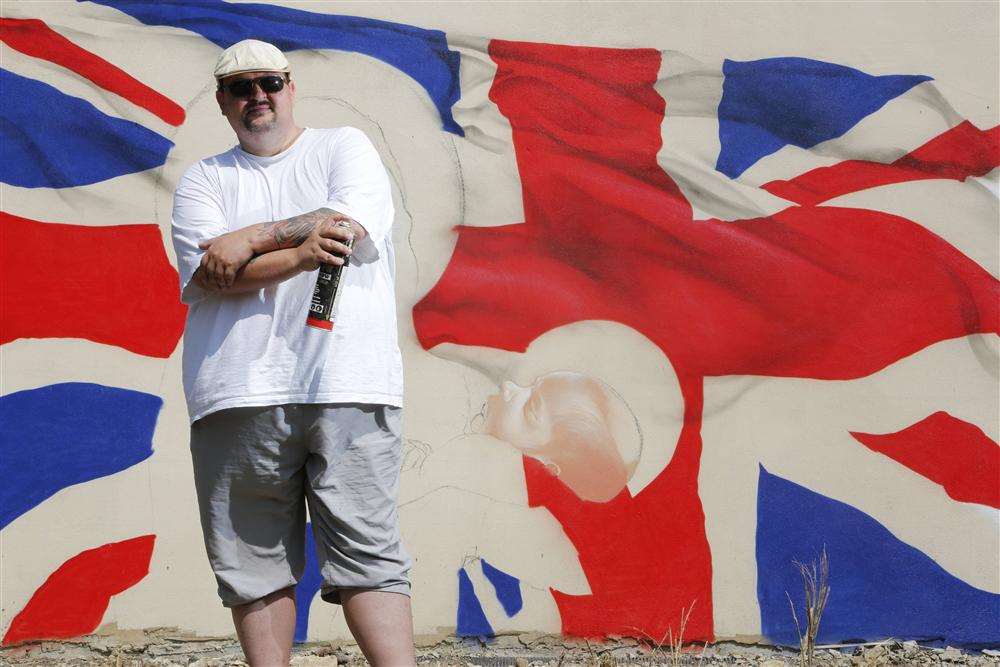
670 323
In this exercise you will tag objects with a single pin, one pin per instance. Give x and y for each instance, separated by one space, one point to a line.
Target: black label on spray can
323 307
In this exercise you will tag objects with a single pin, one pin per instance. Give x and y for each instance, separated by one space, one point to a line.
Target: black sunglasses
269 83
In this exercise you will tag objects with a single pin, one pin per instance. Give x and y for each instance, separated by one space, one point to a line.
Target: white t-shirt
254 349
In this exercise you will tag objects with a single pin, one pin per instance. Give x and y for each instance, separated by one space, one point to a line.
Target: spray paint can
325 297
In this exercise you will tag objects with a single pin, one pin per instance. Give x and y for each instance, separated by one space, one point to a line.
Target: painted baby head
576 425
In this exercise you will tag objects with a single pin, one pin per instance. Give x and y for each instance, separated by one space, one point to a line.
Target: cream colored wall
463 494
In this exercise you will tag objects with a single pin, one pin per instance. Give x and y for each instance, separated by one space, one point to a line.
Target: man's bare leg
382 624
266 628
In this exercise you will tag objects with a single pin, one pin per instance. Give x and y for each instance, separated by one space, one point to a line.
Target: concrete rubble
169 647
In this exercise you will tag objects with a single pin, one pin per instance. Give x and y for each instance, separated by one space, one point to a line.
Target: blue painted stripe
49 139
421 54
310 584
507 587
879 586
471 619
65 434
771 103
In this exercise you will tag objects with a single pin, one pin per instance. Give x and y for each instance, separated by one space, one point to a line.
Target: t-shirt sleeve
197 216
359 188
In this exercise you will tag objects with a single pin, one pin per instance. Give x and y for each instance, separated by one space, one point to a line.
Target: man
284 415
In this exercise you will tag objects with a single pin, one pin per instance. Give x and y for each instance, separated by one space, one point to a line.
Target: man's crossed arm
269 252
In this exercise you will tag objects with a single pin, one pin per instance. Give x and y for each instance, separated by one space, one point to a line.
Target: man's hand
201 281
356 229
224 256
327 244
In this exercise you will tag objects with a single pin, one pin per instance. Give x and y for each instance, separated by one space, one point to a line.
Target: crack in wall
452 487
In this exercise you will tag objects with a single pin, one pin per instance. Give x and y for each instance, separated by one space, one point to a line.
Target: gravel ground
168 647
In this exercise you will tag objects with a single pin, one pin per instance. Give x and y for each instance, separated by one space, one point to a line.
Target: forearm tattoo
293 231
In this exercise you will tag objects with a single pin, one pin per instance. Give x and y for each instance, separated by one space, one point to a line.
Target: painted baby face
523 416
562 420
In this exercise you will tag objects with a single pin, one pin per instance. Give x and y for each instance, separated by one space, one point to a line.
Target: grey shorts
257 468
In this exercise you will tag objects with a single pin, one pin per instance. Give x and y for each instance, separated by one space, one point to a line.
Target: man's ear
218 99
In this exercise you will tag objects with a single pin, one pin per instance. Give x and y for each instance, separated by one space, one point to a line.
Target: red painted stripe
586 130
73 599
820 292
956 154
948 451
111 285
34 38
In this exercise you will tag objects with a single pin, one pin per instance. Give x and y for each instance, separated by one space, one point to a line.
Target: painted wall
687 292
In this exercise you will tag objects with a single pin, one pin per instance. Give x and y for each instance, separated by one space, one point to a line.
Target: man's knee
270 598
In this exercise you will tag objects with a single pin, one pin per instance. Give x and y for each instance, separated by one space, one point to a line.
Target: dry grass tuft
674 653
815 582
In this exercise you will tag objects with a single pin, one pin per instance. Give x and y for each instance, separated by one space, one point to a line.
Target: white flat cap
250 55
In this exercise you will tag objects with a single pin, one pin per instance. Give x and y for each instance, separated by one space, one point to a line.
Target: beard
255 122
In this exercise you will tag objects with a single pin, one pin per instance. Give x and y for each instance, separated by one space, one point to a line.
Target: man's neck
270 143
